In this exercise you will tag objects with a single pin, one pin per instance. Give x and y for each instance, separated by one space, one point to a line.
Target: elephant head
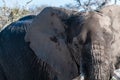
96 47
48 40
94 41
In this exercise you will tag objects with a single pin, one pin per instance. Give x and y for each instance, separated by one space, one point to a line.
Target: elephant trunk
100 66
96 61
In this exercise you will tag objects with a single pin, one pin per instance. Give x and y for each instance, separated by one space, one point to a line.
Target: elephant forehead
98 20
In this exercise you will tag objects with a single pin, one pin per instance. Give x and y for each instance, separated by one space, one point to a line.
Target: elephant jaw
97 63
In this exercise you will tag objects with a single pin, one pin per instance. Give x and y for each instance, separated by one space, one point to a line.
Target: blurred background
12 10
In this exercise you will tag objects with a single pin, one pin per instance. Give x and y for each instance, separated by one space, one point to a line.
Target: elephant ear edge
60 13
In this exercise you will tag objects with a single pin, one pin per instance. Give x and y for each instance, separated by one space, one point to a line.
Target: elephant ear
47 38
113 12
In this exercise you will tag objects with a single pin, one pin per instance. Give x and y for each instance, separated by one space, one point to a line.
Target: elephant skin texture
92 40
113 13
48 41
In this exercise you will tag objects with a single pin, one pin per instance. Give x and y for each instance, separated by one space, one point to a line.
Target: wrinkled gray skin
94 43
96 50
113 12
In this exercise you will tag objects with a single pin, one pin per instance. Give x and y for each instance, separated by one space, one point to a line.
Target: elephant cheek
95 62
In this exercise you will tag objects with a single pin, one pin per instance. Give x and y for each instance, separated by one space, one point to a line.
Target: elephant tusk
116 75
80 77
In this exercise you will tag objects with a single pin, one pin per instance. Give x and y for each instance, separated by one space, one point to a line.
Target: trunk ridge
95 61
100 69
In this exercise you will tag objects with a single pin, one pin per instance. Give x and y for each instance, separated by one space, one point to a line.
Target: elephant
79 39
59 44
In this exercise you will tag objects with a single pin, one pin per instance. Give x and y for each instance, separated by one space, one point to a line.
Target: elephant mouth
95 61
